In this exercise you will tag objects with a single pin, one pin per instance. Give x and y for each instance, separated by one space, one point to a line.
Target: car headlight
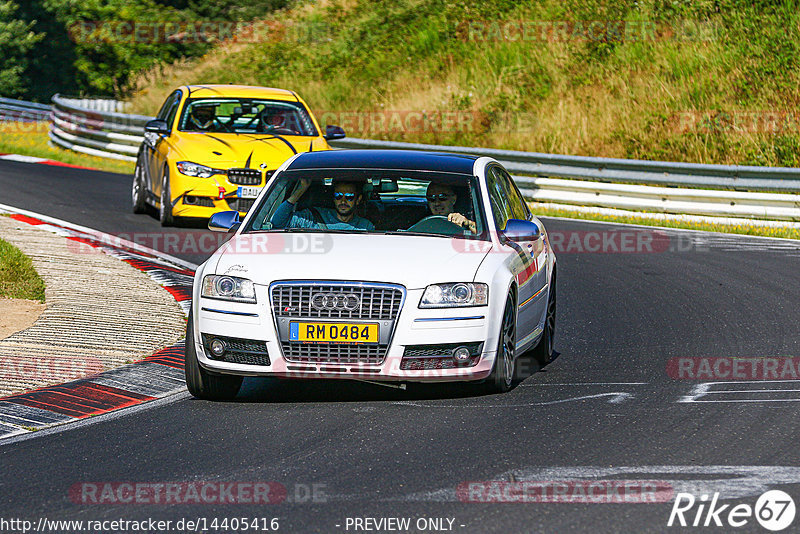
455 295
229 288
196 170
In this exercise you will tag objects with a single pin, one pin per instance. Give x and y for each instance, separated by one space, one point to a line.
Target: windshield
371 201
246 115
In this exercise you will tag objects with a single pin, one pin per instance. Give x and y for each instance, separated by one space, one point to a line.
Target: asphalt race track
611 407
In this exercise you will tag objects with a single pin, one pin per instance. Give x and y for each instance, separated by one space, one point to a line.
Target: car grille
241 204
378 302
243 351
244 176
334 353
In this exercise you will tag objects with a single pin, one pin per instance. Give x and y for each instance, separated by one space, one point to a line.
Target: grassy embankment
640 94
707 83
18 279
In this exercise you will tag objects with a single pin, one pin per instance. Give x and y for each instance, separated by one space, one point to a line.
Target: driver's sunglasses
347 196
441 197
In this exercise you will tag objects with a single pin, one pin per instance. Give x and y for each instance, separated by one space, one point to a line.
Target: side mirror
224 221
334 132
521 230
157 126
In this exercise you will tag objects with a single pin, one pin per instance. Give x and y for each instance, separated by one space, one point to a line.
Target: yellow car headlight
196 170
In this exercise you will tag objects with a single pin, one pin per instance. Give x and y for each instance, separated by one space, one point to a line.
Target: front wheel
502 375
200 382
137 190
165 204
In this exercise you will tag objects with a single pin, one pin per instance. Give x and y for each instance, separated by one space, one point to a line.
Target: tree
16 40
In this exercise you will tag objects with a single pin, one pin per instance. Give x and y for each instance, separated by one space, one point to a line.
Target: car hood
225 151
413 261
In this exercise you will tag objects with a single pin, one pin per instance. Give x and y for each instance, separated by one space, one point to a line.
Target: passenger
346 198
441 201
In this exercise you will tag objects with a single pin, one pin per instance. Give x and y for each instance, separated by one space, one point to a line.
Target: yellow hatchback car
213 147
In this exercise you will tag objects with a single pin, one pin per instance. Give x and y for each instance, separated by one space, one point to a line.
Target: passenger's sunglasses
347 196
441 197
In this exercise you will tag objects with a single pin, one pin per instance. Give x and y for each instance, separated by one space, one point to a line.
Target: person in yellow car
202 117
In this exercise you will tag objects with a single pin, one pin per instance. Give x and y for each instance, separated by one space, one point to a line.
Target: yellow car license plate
334 332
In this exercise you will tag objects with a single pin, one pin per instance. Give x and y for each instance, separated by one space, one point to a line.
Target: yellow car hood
225 150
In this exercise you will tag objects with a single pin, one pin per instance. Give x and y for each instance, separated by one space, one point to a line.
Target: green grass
666 97
30 139
18 278
749 229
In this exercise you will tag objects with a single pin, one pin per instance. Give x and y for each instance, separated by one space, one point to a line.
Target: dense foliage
97 47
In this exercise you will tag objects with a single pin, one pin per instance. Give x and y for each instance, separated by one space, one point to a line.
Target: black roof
385 159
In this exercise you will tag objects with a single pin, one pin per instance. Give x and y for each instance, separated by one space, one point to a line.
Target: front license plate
334 332
248 192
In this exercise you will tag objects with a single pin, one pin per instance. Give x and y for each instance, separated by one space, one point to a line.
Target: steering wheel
284 131
436 224
226 125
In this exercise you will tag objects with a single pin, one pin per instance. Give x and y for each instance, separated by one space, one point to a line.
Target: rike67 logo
774 510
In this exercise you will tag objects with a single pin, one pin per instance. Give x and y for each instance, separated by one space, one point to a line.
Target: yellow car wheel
165 205
137 191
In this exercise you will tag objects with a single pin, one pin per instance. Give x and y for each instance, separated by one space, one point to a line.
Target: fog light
461 355
218 347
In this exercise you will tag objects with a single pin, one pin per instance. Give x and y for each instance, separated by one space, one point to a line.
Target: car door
156 144
531 264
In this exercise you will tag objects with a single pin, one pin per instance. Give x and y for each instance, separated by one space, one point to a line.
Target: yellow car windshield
246 116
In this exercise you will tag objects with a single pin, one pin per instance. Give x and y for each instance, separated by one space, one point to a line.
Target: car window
173 109
246 115
390 202
169 105
498 197
516 202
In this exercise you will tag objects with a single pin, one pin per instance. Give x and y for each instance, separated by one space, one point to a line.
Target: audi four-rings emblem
335 301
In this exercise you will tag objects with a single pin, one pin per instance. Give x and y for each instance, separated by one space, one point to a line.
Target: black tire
502 377
201 383
138 193
543 351
165 204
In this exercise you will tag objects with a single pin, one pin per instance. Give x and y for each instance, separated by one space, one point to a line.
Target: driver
346 197
275 120
202 116
441 201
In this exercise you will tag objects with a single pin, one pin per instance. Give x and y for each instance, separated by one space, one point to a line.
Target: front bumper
202 197
413 327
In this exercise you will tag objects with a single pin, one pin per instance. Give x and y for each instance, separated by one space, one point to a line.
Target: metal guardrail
618 170
101 128
97 127
22 111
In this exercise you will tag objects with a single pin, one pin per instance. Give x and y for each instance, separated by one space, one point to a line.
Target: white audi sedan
384 266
